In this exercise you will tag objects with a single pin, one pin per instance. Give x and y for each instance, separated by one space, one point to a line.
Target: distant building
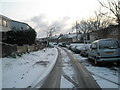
67 38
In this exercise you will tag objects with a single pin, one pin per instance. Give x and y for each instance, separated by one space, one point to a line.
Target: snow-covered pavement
29 69
106 77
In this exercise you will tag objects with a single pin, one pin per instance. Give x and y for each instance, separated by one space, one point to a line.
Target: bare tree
99 21
113 7
96 23
50 33
84 27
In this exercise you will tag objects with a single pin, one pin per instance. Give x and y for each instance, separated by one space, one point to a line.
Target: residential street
57 67
68 70
60 44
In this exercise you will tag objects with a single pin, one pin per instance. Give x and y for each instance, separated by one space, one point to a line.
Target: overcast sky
43 14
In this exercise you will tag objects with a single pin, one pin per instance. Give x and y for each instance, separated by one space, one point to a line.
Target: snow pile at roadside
24 71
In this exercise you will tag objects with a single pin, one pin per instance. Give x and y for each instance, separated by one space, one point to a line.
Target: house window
4 23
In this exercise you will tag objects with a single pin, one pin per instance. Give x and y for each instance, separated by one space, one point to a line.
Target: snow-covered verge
29 69
106 77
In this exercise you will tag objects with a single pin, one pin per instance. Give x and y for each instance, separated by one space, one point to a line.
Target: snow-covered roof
68 36
71 35
55 37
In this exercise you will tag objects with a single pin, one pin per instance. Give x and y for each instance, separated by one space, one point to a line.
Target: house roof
4 17
55 37
72 35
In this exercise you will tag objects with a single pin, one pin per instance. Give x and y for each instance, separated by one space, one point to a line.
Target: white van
105 50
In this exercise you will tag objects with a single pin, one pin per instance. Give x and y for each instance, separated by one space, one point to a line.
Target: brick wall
112 31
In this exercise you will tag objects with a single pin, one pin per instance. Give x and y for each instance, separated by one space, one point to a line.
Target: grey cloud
39 21
42 25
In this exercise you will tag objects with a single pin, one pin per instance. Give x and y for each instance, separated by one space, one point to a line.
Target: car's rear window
109 44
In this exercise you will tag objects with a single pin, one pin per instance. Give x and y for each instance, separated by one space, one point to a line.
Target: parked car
76 47
71 46
85 49
67 46
59 44
63 44
55 43
105 50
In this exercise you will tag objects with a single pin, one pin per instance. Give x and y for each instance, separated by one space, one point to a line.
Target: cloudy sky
44 14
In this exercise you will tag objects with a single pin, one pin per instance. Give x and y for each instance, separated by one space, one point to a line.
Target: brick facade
113 31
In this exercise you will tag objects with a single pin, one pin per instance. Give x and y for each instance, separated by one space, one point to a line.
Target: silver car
105 50
85 49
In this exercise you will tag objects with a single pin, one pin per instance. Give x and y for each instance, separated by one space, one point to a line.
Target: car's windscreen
109 44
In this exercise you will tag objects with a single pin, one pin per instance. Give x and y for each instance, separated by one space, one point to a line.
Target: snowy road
52 68
69 73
